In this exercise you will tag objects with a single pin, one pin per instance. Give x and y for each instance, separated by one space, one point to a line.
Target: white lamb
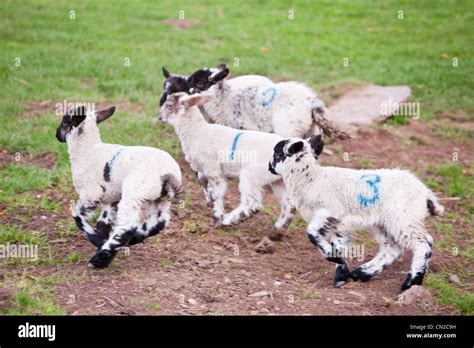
217 152
254 102
337 201
122 179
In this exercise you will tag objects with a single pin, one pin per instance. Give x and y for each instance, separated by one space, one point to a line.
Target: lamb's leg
106 220
421 247
203 181
250 200
127 225
388 253
286 214
216 189
82 212
340 243
158 217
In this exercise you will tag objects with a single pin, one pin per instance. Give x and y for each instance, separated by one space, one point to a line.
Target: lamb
122 179
178 83
218 152
337 201
289 109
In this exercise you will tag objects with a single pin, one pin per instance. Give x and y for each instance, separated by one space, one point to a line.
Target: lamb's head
292 152
202 79
75 120
178 104
172 84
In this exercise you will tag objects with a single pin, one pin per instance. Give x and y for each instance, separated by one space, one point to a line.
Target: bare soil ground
195 267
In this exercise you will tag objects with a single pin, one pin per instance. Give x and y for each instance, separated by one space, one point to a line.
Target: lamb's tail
171 188
327 126
433 205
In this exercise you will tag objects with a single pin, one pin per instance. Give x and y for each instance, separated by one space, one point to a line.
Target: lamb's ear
166 72
295 148
102 115
317 144
78 115
194 100
220 74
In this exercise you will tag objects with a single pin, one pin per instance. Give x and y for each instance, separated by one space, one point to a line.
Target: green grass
14 235
450 295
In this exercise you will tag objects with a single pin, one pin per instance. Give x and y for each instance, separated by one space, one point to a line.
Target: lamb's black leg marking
359 274
421 257
342 274
410 280
328 250
80 215
103 258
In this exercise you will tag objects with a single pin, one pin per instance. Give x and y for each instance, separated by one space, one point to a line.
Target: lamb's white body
286 108
208 149
338 201
121 179
246 81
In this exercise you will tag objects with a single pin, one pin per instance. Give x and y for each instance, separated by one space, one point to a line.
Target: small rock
262 293
287 276
192 301
415 295
453 278
328 152
43 217
266 246
336 302
277 283
276 236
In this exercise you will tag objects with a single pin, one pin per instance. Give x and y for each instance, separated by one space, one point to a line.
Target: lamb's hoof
359 275
410 281
102 259
341 276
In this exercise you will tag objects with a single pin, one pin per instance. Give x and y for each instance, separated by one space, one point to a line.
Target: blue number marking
272 93
371 180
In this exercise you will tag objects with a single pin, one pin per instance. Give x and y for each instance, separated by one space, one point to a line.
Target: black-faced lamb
201 80
337 201
289 109
218 152
121 179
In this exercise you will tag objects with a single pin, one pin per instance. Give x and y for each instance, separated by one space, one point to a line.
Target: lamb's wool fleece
139 167
122 180
284 108
208 147
338 201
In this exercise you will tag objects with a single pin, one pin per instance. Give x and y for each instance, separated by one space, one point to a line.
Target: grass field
46 56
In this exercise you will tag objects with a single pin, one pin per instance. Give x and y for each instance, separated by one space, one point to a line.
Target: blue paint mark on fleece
371 180
112 160
272 93
234 145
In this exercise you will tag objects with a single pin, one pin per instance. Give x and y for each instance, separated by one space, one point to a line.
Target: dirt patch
35 109
5 299
183 24
46 160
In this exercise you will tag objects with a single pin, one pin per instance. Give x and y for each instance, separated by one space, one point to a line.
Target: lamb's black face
72 119
202 79
296 149
199 81
278 156
173 84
